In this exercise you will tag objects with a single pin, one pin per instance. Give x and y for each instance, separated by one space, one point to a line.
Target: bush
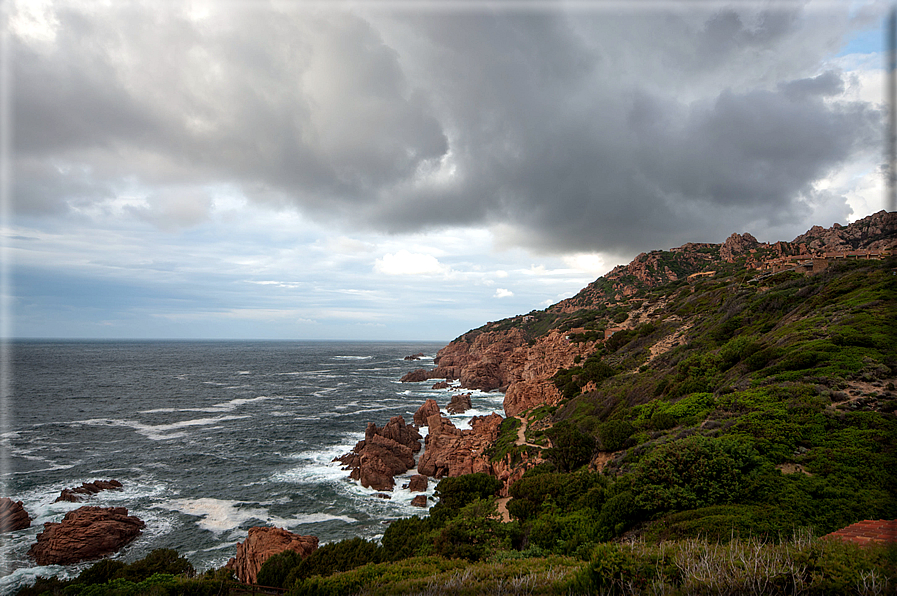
613 434
406 538
570 447
455 493
693 472
330 558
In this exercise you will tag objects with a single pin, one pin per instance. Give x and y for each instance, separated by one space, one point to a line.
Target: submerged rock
79 493
84 534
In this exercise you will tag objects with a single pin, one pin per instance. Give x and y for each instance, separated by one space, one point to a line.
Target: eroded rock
418 483
424 412
13 515
459 404
79 493
382 454
261 544
84 534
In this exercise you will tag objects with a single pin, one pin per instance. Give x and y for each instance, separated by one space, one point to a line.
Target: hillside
721 405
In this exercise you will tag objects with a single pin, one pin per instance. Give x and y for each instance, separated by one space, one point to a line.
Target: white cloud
503 293
589 262
408 263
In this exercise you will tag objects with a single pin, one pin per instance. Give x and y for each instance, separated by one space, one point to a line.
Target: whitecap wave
219 515
352 357
159 432
26 576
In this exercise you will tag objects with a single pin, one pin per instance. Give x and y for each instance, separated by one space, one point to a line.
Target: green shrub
693 472
328 559
407 537
455 493
570 447
613 434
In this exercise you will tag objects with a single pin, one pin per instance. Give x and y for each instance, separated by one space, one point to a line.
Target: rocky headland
514 357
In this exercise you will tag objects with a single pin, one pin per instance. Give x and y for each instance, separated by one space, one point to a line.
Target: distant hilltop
874 236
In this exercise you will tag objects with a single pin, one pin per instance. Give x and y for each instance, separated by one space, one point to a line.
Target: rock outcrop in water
459 404
424 412
449 451
13 515
79 493
261 544
84 534
382 454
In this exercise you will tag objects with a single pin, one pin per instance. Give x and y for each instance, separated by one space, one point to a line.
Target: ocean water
208 439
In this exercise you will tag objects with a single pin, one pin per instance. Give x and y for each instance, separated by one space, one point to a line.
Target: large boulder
418 483
424 412
382 454
79 493
84 534
263 543
13 516
459 404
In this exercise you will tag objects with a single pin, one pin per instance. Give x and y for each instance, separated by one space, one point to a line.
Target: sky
408 170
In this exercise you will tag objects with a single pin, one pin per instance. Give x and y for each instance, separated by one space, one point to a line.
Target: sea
208 438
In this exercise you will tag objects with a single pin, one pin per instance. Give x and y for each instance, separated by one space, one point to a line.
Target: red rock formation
429 408
419 501
418 483
401 433
440 385
13 516
736 245
263 543
420 374
449 451
85 533
459 404
868 532
525 395
382 454
79 493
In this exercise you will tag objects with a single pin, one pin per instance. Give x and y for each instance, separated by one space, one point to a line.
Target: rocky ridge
449 451
507 356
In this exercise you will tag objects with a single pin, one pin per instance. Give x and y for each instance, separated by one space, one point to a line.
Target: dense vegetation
771 421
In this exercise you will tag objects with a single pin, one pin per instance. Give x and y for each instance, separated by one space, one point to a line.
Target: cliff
520 355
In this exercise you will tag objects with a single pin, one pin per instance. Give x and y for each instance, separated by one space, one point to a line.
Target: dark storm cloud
584 131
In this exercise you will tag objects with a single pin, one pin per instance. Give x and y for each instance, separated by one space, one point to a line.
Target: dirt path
502 504
521 433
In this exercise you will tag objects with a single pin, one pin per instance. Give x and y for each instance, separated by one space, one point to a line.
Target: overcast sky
374 170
